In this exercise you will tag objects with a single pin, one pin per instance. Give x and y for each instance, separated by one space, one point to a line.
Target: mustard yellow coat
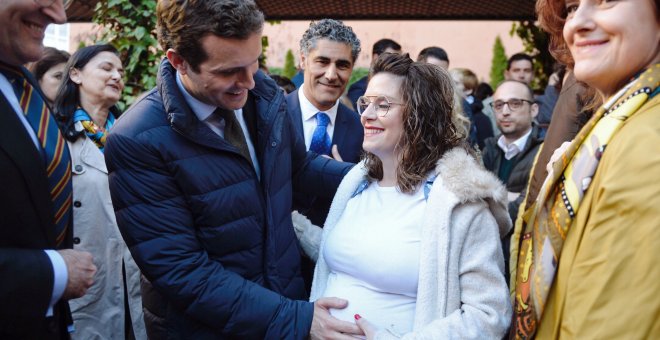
608 280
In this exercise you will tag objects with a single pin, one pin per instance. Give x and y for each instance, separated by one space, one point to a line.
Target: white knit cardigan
461 292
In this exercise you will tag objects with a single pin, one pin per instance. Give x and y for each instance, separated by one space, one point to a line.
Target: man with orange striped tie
38 271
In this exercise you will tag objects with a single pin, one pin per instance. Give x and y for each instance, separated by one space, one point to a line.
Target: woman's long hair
430 125
68 94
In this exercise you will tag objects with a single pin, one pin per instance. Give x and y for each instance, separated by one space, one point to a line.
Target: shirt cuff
61 277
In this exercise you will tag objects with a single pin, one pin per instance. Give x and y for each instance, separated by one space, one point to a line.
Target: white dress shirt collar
513 149
309 111
201 109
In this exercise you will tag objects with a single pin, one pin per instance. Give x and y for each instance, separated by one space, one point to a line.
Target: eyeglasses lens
514 104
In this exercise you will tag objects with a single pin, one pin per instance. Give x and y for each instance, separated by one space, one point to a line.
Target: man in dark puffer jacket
208 219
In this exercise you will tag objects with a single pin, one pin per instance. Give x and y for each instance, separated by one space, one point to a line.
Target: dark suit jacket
493 156
348 135
357 90
26 228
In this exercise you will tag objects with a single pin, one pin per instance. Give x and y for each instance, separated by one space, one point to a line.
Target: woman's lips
591 42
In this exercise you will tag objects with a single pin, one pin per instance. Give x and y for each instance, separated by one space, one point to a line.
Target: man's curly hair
333 30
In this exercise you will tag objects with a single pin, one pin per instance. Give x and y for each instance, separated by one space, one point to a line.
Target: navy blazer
348 136
357 90
348 133
26 228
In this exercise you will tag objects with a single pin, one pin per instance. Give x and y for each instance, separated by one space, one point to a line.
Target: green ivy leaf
140 32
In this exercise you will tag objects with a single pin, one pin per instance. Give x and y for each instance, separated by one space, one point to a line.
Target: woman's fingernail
357 317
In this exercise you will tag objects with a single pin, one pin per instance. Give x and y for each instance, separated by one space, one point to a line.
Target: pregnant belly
386 310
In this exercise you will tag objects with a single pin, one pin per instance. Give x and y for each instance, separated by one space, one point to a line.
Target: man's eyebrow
232 68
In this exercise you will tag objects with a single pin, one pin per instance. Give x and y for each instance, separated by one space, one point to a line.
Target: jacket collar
533 140
463 176
184 120
179 114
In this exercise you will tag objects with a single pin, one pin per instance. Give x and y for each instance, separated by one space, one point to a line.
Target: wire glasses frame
513 103
381 104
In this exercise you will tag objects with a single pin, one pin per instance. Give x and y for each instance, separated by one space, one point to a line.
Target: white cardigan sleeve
308 234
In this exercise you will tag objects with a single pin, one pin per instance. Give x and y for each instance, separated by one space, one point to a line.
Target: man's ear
534 110
302 61
177 61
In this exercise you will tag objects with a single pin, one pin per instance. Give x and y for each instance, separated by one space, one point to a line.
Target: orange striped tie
53 149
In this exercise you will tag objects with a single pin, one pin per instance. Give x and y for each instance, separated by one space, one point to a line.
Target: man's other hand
325 326
81 269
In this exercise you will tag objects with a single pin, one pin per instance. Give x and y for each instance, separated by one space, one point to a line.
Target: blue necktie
57 161
321 141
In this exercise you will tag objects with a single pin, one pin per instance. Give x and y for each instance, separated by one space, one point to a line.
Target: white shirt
513 149
60 272
308 113
373 257
204 111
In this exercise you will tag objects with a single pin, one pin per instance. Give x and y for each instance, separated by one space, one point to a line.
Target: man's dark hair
483 91
284 83
383 44
435 52
517 57
182 24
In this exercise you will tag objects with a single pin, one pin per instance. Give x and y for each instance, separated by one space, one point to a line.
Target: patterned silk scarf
550 217
93 131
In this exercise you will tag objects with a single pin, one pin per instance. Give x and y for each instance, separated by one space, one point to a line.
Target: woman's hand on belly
367 327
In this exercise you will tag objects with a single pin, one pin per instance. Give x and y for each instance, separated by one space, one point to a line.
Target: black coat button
77 204
76 240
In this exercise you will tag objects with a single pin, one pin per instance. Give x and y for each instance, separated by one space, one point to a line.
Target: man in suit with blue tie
328 52
38 273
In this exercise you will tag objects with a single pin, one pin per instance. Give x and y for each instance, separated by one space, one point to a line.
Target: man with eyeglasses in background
511 155
39 274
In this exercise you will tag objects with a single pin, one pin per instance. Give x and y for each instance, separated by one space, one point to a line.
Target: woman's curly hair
552 16
431 125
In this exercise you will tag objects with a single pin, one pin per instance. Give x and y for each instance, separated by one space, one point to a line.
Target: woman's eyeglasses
380 103
514 104
48 3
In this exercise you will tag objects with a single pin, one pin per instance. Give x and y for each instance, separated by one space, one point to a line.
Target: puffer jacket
216 243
